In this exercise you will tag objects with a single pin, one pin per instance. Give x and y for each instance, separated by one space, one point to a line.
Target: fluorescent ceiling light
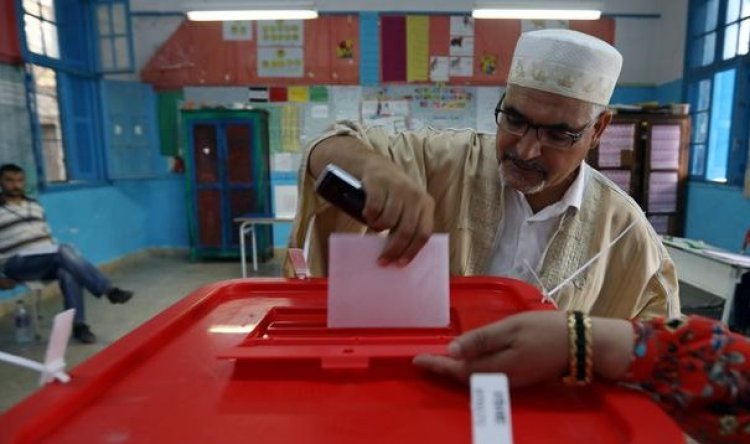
540 11
252 14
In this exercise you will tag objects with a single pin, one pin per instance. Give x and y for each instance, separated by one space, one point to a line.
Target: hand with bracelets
540 346
694 367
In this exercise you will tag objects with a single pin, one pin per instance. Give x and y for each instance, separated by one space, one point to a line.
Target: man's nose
529 146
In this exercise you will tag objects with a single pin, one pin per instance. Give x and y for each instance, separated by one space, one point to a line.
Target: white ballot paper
362 293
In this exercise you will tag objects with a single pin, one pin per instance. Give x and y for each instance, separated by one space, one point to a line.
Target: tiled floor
157 282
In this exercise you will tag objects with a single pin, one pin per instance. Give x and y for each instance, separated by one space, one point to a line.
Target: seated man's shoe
83 334
119 296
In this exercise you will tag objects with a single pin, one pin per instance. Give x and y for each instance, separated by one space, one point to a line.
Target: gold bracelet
589 349
581 365
572 356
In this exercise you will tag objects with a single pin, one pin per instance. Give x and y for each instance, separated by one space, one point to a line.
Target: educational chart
416 107
237 30
461 46
281 48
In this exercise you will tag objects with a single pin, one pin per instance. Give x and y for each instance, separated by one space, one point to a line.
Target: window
115 48
700 97
48 115
718 46
737 33
63 83
40 27
719 139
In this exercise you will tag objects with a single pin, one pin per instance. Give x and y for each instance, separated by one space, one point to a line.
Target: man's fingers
374 204
421 235
401 236
390 214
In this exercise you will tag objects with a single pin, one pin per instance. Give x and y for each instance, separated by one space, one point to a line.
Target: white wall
653 49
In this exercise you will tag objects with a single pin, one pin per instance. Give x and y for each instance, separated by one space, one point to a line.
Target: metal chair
35 304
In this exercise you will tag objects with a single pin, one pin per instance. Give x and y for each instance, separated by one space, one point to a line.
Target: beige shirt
458 168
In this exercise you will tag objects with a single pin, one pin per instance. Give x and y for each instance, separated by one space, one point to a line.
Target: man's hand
394 202
7 284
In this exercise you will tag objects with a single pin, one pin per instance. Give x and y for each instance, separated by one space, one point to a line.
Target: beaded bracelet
581 363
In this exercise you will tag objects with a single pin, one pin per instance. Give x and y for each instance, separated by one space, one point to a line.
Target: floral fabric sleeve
699 372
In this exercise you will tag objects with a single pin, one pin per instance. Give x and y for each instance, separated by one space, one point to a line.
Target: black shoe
119 296
83 334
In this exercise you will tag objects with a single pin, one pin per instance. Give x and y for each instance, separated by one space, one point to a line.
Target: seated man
28 252
521 203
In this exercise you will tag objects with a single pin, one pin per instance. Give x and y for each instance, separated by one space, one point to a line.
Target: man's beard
14 192
510 172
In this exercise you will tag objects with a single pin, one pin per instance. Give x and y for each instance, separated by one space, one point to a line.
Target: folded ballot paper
362 293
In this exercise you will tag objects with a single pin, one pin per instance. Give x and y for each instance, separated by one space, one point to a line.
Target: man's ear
602 123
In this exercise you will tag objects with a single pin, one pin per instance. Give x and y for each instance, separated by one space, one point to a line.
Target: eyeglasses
551 136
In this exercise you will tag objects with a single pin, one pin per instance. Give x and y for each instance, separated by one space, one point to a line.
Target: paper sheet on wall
417 48
290 129
346 100
317 120
281 33
319 112
487 98
319 93
282 162
363 294
281 61
435 106
462 25
391 114
285 200
461 66
237 30
299 94
535 25
439 69
462 46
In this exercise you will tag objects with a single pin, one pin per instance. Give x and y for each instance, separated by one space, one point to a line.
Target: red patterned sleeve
699 372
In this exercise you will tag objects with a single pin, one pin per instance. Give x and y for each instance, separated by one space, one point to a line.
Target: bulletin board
459 50
436 106
320 51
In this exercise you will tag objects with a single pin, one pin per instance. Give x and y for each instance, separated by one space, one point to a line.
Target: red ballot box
252 361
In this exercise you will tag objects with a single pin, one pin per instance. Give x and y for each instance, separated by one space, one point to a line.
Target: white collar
573 197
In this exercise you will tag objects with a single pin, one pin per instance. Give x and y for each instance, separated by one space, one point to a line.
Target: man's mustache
526 165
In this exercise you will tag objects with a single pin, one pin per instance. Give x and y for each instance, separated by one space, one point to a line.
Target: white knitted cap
568 63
